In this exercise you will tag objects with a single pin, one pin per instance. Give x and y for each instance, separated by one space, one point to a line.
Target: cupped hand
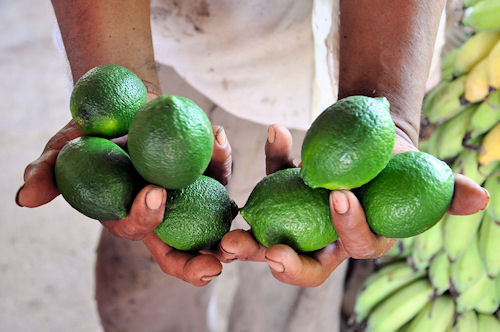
147 209
355 240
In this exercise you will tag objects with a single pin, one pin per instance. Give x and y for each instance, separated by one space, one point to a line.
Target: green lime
409 196
348 144
170 141
197 216
96 177
105 99
282 209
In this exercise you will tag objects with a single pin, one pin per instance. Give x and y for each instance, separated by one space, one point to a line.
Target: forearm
108 32
386 48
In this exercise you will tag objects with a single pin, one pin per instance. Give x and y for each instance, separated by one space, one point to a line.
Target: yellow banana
484 16
439 273
485 117
379 285
490 146
477 85
468 299
451 135
493 67
447 101
468 268
465 322
458 233
487 323
400 307
492 184
489 245
474 50
436 316
490 303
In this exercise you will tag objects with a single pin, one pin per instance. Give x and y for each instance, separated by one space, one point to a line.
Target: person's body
385 49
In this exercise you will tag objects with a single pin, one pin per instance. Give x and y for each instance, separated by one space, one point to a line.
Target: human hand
355 240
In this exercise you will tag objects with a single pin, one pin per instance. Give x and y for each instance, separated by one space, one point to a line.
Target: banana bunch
448 278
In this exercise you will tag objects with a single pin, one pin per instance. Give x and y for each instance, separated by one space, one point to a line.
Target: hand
146 212
355 240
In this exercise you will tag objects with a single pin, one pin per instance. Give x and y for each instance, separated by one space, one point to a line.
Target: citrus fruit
105 99
197 216
96 177
282 209
409 196
170 141
348 144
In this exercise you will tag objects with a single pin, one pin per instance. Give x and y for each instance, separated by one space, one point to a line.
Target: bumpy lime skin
348 144
105 99
170 141
197 216
96 177
282 209
409 196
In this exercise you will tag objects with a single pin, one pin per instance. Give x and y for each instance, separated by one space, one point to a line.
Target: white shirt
264 61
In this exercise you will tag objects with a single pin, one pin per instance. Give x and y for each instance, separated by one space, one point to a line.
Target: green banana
490 303
400 307
465 322
401 249
439 273
473 295
487 323
494 66
489 246
379 285
492 184
474 50
484 16
432 142
436 316
468 268
452 132
470 3
485 117
447 65
459 232
447 102
426 245
430 97
467 164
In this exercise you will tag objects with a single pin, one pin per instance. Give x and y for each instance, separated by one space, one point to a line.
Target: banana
400 307
494 66
465 322
484 16
439 273
490 147
474 50
486 116
378 286
489 246
426 245
487 323
436 316
449 143
468 268
468 299
477 86
467 164
432 142
430 97
447 65
458 233
492 184
470 3
490 303
447 101
402 248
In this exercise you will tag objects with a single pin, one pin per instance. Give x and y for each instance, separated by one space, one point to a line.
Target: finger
145 214
198 270
242 245
39 183
278 148
221 163
468 197
301 270
354 232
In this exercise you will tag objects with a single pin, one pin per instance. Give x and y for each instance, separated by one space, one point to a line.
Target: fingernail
154 198
488 198
17 195
227 252
208 278
271 135
276 266
220 136
339 201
